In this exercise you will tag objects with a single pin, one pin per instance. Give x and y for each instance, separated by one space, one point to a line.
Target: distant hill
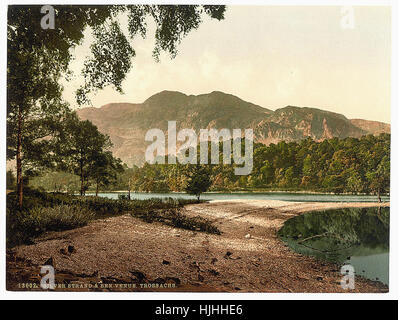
374 127
127 123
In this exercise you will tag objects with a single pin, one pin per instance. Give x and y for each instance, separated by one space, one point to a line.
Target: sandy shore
123 250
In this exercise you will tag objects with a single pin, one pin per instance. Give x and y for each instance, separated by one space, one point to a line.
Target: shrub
61 217
23 226
35 198
175 218
43 212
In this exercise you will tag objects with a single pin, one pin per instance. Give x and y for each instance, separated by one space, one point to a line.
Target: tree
267 172
379 180
56 181
199 181
104 169
33 107
37 58
335 165
128 179
80 147
354 182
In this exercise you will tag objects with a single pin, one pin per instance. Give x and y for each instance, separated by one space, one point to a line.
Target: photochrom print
198 148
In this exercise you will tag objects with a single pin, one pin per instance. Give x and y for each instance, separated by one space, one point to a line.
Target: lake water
285 196
355 236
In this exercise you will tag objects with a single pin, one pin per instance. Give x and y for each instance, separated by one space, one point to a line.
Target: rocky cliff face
374 127
127 123
294 123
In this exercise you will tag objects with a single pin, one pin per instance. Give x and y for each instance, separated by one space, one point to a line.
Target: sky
332 58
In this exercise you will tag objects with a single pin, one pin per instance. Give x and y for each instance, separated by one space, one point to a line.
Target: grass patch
24 226
175 218
44 212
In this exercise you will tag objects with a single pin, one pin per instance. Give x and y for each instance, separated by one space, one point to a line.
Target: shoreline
111 249
247 192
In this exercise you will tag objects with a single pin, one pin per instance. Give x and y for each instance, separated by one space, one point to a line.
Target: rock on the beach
248 236
71 249
49 262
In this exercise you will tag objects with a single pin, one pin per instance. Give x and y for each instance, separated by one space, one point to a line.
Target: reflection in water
356 236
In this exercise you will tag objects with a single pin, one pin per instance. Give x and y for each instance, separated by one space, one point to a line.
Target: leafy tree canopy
37 58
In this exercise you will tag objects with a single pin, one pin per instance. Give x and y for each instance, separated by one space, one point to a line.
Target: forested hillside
334 165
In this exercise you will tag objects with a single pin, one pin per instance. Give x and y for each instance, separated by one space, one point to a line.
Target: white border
393 294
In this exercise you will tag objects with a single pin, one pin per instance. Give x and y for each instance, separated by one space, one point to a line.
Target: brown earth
123 253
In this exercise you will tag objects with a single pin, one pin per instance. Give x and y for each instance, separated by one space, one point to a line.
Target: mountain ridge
127 123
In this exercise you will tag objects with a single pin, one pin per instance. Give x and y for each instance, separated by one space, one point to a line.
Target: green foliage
104 169
10 180
83 150
171 215
175 218
112 50
56 181
37 59
336 165
379 180
199 180
44 212
23 226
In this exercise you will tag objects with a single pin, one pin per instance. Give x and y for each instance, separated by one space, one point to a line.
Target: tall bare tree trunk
96 190
81 184
129 196
19 160
378 195
81 178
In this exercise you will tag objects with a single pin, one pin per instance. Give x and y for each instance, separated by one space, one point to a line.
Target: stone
71 249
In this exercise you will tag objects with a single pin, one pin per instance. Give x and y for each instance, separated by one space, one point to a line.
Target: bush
34 198
23 226
43 212
179 220
175 218
61 217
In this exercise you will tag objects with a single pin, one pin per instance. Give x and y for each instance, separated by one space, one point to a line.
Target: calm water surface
355 236
259 196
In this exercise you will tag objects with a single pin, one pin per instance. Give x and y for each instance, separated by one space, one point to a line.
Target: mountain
373 127
127 123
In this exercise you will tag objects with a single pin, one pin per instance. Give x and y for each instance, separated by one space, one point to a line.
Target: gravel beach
122 250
